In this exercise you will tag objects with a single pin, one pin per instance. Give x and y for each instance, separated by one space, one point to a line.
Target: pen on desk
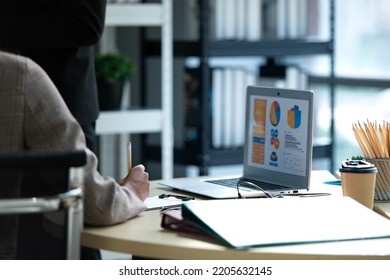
167 208
335 182
129 164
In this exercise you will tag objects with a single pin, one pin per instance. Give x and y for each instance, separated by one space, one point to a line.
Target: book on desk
245 223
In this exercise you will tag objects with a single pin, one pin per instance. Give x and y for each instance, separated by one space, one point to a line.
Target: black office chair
70 200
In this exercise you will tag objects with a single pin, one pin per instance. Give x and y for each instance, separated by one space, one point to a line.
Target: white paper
154 202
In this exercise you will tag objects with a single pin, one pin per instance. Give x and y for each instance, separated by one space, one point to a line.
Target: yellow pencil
373 139
129 163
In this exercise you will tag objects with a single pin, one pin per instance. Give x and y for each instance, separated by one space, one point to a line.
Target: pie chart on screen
275 113
294 116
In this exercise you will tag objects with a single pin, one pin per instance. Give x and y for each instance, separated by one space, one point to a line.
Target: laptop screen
278 134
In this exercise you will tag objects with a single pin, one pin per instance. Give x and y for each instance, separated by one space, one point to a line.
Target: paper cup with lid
358 179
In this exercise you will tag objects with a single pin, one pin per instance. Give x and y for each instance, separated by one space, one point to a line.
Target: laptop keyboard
232 183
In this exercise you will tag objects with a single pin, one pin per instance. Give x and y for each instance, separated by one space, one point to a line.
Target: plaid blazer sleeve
49 125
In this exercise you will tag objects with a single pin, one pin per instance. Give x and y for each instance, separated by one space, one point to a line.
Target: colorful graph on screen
259 111
258 137
274 113
278 134
294 116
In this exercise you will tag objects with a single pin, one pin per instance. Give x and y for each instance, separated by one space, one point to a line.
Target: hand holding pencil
137 180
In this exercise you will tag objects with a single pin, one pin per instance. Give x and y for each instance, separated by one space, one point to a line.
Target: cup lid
357 166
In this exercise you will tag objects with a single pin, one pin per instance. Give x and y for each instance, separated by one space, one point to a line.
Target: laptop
277 150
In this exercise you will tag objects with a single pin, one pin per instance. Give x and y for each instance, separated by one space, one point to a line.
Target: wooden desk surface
143 236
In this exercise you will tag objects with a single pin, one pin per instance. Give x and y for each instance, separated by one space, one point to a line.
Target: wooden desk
143 236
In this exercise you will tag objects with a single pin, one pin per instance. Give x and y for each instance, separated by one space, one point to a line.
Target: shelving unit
134 121
202 154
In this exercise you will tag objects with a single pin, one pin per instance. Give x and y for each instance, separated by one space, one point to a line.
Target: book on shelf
236 19
296 13
227 105
229 19
253 20
281 20
318 20
238 101
240 20
228 91
227 100
218 17
286 19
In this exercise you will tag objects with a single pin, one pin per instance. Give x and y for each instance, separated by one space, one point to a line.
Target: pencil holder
382 185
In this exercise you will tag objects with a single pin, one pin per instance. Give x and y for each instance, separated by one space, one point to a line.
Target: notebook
326 219
277 149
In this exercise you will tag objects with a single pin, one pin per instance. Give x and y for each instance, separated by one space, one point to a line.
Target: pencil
373 139
129 164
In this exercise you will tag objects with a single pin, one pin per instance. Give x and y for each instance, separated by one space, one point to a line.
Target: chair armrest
40 204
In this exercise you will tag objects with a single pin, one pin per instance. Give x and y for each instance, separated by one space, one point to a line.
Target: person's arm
105 202
49 125
51 24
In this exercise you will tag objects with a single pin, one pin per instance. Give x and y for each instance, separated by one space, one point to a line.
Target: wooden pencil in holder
382 185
